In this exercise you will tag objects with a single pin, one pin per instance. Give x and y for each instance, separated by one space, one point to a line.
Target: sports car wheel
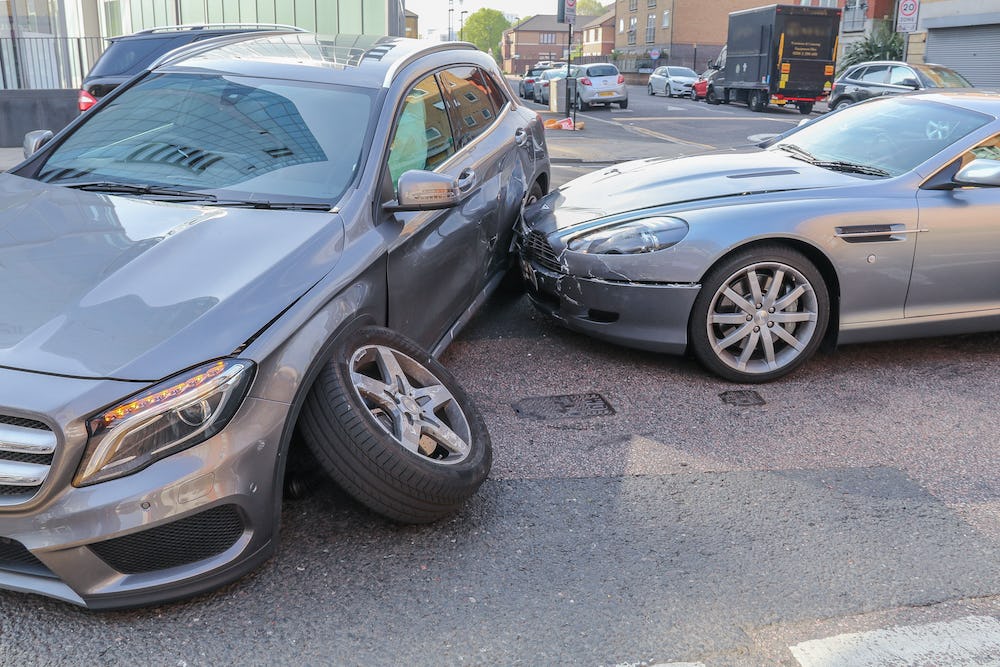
760 315
391 426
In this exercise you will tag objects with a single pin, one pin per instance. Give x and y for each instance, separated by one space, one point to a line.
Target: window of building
547 38
633 5
650 3
854 15
651 28
666 18
632 22
621 25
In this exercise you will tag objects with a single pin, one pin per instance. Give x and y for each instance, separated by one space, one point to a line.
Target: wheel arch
819 259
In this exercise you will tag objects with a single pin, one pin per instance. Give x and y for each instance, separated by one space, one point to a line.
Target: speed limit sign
906 15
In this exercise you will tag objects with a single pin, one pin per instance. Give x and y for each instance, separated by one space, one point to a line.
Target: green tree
590 8
881 44
484 28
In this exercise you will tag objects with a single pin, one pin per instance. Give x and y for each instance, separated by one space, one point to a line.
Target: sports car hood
100 286
641 184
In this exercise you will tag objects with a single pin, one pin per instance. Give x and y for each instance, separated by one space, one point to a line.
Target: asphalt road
685 520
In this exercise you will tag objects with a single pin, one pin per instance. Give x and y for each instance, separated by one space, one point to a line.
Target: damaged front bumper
648 316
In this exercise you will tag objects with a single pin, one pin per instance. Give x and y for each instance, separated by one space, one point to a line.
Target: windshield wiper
135 189
274 205
851 167
798 152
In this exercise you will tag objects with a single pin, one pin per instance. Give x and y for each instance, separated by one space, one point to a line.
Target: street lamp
461 24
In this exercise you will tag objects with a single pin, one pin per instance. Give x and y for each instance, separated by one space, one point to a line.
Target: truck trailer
777 54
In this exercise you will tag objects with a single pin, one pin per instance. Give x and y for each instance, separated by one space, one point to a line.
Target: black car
128 55
890 77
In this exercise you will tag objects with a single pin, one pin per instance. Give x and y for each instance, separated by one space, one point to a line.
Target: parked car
889 77
129 55
600 83
228 250
875 222
699 89
671 80
526 86
544 81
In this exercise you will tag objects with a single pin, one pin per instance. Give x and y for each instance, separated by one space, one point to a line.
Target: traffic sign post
907 13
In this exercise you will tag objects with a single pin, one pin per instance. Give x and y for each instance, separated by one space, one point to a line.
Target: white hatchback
600 83
671 80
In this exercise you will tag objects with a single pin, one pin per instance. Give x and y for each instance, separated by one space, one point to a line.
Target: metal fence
31 63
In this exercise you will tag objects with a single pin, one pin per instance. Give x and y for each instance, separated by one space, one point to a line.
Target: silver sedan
875 222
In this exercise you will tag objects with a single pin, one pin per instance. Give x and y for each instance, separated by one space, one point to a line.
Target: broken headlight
630 238
176 414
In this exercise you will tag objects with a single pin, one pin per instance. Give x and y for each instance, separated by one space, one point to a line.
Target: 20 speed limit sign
906 15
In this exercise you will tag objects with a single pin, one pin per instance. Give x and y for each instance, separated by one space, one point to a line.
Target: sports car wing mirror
979 172
34 140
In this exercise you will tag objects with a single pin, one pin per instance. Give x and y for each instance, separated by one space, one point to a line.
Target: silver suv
263 234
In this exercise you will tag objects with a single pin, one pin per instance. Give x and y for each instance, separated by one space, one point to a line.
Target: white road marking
973 640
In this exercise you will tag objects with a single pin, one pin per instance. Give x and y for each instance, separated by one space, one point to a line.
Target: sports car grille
26 449
537 248
188 540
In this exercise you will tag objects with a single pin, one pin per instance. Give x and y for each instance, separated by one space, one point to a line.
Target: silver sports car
878 221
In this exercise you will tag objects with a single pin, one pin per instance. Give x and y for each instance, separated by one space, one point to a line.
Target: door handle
520 136
466 180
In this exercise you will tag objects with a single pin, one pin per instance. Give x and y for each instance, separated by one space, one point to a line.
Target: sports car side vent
188 540
537 248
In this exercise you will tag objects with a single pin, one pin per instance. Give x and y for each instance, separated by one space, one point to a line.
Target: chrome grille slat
26 440
15 473
27 447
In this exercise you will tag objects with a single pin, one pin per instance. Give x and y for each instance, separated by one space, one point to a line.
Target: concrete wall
24 110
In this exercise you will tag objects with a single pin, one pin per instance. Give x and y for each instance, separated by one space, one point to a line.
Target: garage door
974 51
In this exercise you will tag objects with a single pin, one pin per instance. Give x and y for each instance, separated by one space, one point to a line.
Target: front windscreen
681 71
227 135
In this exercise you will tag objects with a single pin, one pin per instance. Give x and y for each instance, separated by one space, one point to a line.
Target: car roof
898 62
362 60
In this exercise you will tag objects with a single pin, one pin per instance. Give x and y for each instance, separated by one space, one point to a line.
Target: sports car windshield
888 137
229 137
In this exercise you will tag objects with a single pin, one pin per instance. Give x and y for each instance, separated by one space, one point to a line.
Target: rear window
130 56
602 70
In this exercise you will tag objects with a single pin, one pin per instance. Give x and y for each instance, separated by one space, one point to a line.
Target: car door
956 267
872 81
435 257
495 154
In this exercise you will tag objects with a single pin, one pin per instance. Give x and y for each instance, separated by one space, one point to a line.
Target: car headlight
630 238
176 414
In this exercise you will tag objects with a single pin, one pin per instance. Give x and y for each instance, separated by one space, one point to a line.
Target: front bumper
683 89
185 524
641 315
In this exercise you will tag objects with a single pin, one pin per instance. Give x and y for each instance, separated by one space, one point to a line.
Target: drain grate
543 408
742 397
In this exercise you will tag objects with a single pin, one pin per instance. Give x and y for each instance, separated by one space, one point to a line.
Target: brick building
598 36
540 37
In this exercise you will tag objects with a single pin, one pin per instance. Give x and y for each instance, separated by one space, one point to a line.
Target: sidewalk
10 157
606 142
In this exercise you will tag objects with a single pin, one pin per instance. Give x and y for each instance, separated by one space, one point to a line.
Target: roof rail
220 26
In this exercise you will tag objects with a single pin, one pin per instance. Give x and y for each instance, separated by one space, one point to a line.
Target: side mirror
980 172
910 83
34 140
425 191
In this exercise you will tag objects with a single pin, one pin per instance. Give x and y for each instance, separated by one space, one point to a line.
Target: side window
988 150
877 74
469 101
902 75
422 139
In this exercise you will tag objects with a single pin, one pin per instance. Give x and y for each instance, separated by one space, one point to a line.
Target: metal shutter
973 51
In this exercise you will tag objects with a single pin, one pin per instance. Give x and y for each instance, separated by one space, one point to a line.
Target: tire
805 108
581 105
623 104
693 95
649 88
841 103
512 283
710 96
370 399
736 348
756 102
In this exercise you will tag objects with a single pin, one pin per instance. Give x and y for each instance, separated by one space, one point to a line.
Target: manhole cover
741 397
563 407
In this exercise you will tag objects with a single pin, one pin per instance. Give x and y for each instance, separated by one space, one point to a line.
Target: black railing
46 62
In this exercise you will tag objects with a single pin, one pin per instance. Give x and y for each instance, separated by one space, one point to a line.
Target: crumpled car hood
641 184
101 286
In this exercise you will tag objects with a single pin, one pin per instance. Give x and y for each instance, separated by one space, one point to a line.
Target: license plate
605 93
